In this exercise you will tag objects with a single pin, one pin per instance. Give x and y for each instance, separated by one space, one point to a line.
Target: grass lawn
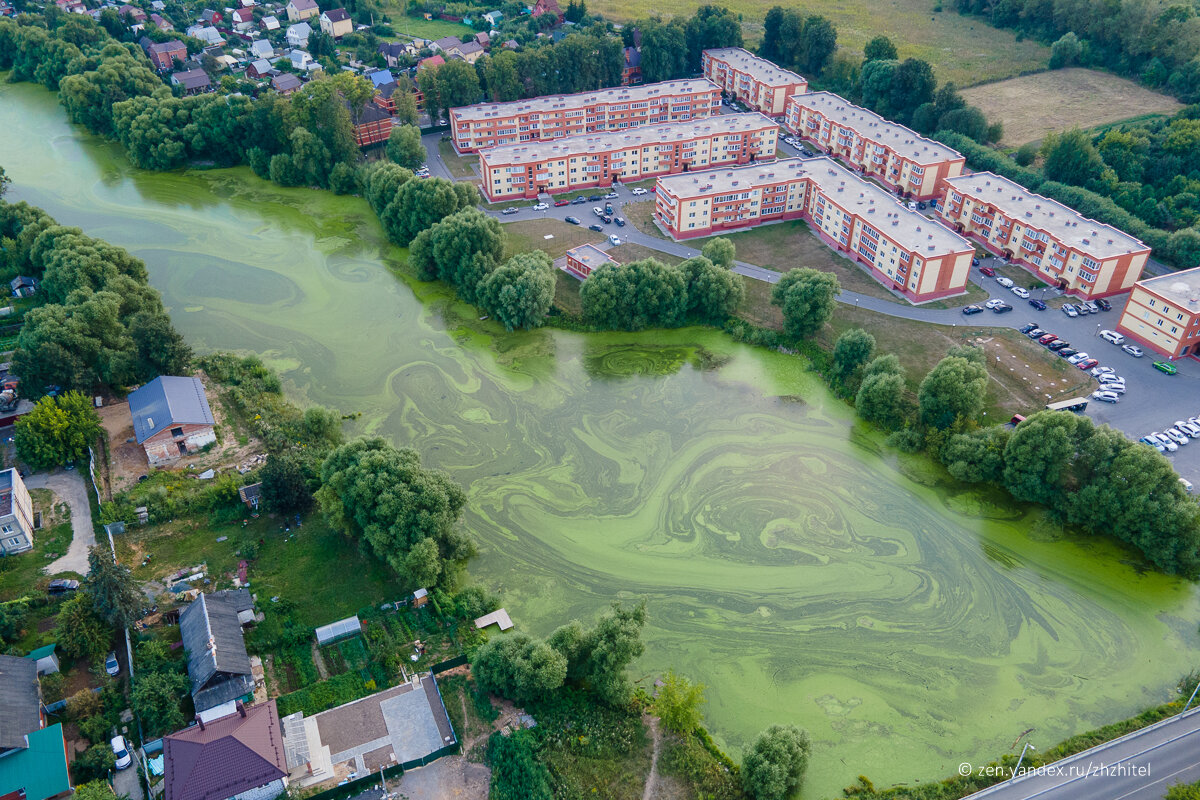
315 567
566 293
641 216
624 253
21 575
407 26
530 234
460 166
961 49
1034 105
975 294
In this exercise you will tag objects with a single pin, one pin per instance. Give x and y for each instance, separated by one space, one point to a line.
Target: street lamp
1017 769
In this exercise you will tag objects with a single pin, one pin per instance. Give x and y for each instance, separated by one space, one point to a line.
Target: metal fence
457 661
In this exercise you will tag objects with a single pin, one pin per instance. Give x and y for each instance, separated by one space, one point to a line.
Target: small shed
497 617
47 660
335 631
420 598
251 495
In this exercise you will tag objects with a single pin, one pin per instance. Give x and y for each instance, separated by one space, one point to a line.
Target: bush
324 695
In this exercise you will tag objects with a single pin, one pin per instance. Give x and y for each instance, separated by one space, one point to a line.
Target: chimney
200 720
241 709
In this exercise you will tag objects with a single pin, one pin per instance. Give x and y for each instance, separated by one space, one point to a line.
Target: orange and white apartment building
891 153
476 127
902 249
602 159
1061 246
1163 313
758 83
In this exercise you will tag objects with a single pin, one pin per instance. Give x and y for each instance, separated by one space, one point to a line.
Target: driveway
127 784
71 489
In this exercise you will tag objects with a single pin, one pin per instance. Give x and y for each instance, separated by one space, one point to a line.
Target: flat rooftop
1062 222
1182 287
559 102
878 207
608 141
761 69
870 125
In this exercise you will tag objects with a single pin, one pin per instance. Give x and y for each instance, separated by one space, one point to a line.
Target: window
177 431
6 529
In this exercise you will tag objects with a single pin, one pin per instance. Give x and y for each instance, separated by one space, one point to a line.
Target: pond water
792 563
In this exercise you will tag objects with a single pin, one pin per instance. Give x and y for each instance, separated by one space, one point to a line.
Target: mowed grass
528 235
1034 105
459 165
407 26
964 50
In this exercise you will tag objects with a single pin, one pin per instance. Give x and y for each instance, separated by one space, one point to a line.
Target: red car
1088 364
991 273
1047 339
562 203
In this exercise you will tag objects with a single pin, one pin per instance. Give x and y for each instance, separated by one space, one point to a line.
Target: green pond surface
792 564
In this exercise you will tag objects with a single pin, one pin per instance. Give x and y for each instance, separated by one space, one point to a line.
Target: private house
210 17
46 659
300 10
432 61
132 14
585 259
16 514
302 60
372 125
261 48
1163 313
238 755
380 78
468 51
445 44
164 54
548 7
192 81
161 22
23 286
217 663
511 44
392 52
760 84
631 73
297 35
33 758
257 70
207 34
336 22
171 417
243 19
270 23
493 18
285 83
385 98
484 40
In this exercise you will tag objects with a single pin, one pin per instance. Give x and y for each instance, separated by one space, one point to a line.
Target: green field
964 50
407 26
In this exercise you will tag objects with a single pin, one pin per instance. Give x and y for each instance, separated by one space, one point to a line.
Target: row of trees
799 42
671 49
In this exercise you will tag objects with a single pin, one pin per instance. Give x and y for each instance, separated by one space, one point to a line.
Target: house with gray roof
20 702
171 418
192 81
297 35
261 48
217 662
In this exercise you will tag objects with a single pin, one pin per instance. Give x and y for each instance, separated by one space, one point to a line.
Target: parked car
1165 441
608 209
1112 337
594 197
974 262
1028 327
995 301
1020 292
1090 307
1105 397
111 665
1082 310
510 210
1059 345
991 273
578 201
606 219
558 203
1177 437
921 205
912 206
1103 304
972 309
610 196
620 221
572 220
1035 333
1067 352
1070 310
1116 388
1133 350
1047 338
1005 282
62 586
541 207
639 191
1188 428
1003 308
616 240
1165 367
120 750
596 228
1075 359
1098 371
598 211
1038 304
1087 364
1153 443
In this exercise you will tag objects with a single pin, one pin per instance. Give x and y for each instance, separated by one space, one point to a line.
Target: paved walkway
71 489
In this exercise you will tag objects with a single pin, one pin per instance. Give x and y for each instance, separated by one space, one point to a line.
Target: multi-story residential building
891 153
602 159
1061 246
902 249
1163 313
16 514
492 124
755 81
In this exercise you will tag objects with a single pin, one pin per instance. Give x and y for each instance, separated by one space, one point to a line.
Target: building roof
192 79
336 15
261 66
22 282
166 47
285 82
590 256
300 29
38 771
162 23
212 637
642 136
446 42
1182 288
302 5
20 701
869 125
1062 222
393 49
468 48
381 77
270 23
42 652
225 757
370 113
759 68
261 47
546 7
619 94
388 89
633 57
875 205
169 400
250 492
432 61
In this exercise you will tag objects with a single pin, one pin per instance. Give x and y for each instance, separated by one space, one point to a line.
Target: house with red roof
239 755
432 61
548 7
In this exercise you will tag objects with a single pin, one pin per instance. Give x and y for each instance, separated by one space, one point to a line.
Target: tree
156 701
913 83
678 703
880 48
664 50
952 394
519 667
1071 158
1066 51
94 790
57 431
519 293
83 704
373 491
976 457
597 658
807 298
457 84
406 107
772 46
93 764
1026 154
1183 247
575 11
404 147
634 296
880 398
5 182
288 480
115 596
79 630
720 251
818 44
851 351
713 292
774 765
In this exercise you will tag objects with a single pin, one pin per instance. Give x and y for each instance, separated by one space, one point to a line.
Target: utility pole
1017 769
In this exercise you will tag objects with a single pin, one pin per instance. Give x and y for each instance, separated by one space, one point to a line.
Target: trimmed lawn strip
528 235
459 165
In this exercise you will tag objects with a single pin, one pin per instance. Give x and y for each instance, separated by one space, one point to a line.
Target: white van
1112 337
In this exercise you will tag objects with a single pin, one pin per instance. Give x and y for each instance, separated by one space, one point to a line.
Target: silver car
1176 436
1133 350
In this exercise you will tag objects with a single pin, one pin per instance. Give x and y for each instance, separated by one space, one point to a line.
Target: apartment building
16 514
1163 313
1058 244
902 249
554 117
602 159
891 153
758 83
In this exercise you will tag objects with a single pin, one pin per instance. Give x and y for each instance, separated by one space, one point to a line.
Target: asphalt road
1139 766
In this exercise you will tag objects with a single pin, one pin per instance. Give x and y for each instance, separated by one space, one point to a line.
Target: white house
493 18
16 514
261 48
270 23
297 35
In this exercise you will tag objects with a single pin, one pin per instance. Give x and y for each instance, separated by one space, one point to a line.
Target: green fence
457 661
392 773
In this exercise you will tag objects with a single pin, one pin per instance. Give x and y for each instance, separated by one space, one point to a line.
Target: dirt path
652 778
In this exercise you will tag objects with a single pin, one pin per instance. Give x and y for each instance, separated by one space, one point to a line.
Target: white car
1078 357
610 196
1133 350
598 211
1115 388
1005 282
1020 292
1070 310
1101 371
541 207
120 749
616 240
1165 441
639 191
1188 428
1106 396
1112 337
1176 436
995 302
